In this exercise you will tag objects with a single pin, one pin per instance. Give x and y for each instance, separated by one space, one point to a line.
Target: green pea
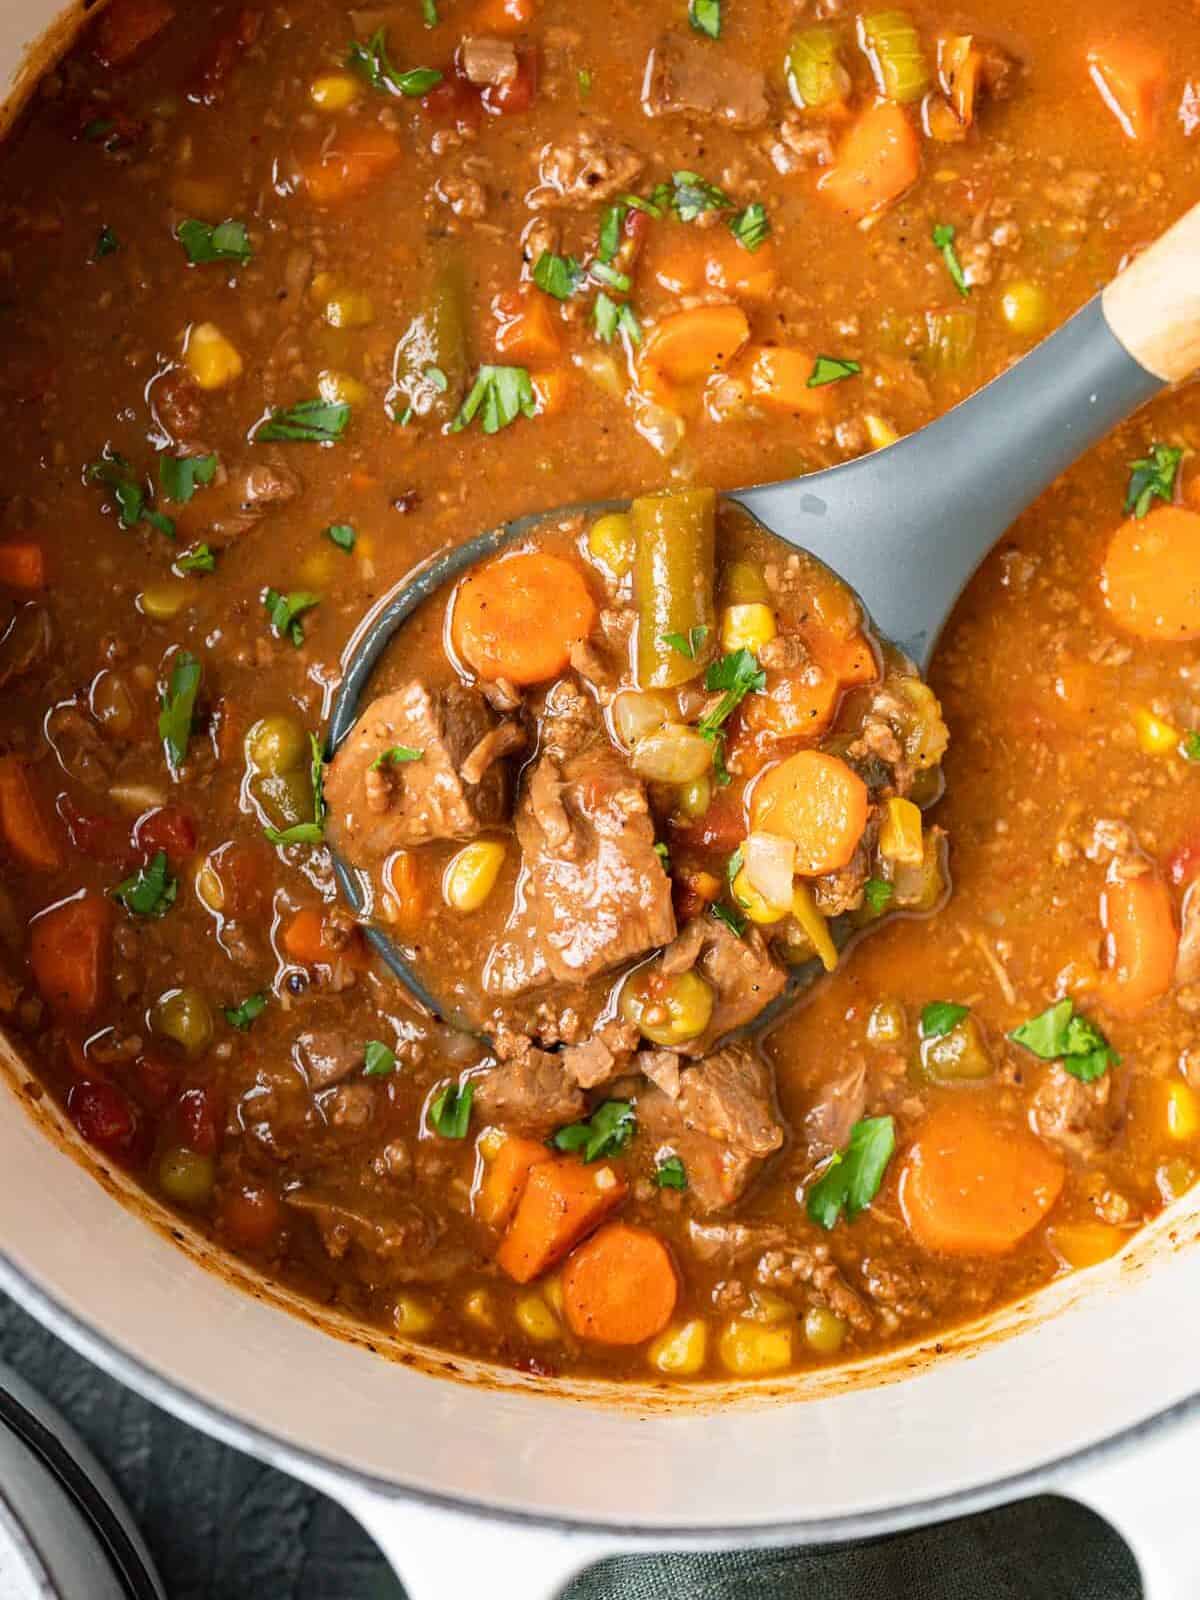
185 1016
186 1177
276 745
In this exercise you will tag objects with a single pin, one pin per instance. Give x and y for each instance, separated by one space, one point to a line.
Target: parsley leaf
878 892
240 1017
852 1177
1152 478
107 244
151 890
611 319
285 611
705 17
733 920
738 675
689 644
664 855
943 242
180 476
670 1173
692 197
200 558
1189 747
342 535
307 832
178 706
1060 1034
203 242
309 422
429 13
398 753
602 272
559 276
501 395
372 62
611 224
940 1016
832 369
735 864
116 474
608 1130
584 79
378 1059
751 227
450 1113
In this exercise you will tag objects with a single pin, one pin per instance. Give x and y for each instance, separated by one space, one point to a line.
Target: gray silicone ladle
905 526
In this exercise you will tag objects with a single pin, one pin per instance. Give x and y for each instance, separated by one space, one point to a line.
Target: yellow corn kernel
202 197
536 1318
1155 735
1181 1111
753 904
752 1349
341 307
1024 307
610 541
411 1316
824 1330
553 1290
317 568
478 1306
472 873
879 431
210 357
747 627
334 91
340 388
900 837
162 601
814 925
210 891
1083 1244
680 1352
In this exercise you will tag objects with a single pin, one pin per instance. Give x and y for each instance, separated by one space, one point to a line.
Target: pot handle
1146 1489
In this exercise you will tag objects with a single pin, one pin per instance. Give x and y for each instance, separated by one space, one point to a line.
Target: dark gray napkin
223 1527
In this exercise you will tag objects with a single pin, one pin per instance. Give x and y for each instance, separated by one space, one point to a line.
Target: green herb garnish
691 196
852 1177
670 1173
878 892
200 558
178 707
450 1113
132 507
610 319
203 242
832 369
307 832
1152 478
429 13
372 62
240 1017
733 920
751 227
939 1017
689 644
608 1130
285 611
151 890
584 78
1189 746
107 244
398 753
498 396
611 224
943 242
602 272
309 422
1060 1034
559 276
180 476
379 1060
705 17
737 675
342 535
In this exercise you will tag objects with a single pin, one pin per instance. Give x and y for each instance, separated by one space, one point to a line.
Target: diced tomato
164 828
152 1082
223 55
251 1216
103 1115
723 825
518 94
198 1117
126 26
454 103
101 838
244 873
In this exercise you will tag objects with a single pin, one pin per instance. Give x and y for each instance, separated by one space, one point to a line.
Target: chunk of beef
466 196
592 892
843 889
177 403
488 61
325 1057
799 143
603 1057
685 76
813 1267
731 1242
529 1089
25 643
745 977
374 810
237 502
385 1240
569 718
1081 1118
503 740
662 1069
584 170
840 1103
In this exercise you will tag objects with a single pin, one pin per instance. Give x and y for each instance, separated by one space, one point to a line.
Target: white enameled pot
470 1479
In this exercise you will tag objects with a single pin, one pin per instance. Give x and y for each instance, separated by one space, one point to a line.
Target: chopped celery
815 73
891 41
950 338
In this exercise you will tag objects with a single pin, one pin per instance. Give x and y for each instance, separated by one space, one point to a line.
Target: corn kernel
887 1023
340 388
753 1349
210 891
162 601
900 837
814 925
610 541
1155 735
824 1330
879 431
1083 1244
1181 1111
694 799
680 1352
478 1306
747 627
553 1290
210 357
471 875
341 307
1024 307
756 907
317 568
536 1318
334 91
411 1316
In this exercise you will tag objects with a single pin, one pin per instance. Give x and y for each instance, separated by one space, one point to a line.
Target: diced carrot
1142 942
1131 77
688 346
407 901
69 952
518 616
127 25
22 566
620 1286
851 660
505 1176
552 389
779 380
23 826
972 1186
502 16
526 330
1151 575
877 161
688 262
358 157
563 1200
796 705
818 802
306 942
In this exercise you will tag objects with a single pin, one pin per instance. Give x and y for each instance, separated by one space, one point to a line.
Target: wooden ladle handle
1153 307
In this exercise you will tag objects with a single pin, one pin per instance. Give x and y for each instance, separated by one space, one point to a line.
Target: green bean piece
673 577
432 362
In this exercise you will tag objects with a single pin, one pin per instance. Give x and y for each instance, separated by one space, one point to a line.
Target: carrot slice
1151 575
797 705
505 1176
305 941
1142 942
972 1186
687 347
779 380
562 1201
1131 78
517 617
526 331
69 953
852 661
22 824
686 263
352 164
620 1286
878 160
22 566
552 389
502 16
819 803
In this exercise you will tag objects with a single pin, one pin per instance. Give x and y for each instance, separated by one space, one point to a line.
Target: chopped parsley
584 79
1152 478
429 13
204 241
664 855
450 1113
878 892
309 422
705 17
670 1173
940 1016
378 1059
852 1177
735 864
150 891
372 62
832 369
733 920
498 396
611 224
943 242
1060 1034
689 644
397 754
690 196
240 1017
559 276
178 707
132 507
734 676
107 244
200 558
307 832
1189 746
285 611
602 272
180 476
751 227
342 535
608 1130
610 319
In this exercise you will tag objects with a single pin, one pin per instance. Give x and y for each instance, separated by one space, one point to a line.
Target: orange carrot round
688 346
351 164
1142 942
69 949
518 617
1151 575
620 1287
971 1186
878 160
819 803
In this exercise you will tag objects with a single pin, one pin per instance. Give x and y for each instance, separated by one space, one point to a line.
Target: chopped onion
675 754
662 430
770 864
638 712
